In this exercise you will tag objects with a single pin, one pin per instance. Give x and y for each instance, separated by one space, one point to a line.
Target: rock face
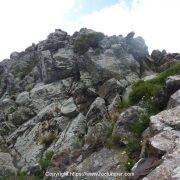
174 100
163 60
62 95
7 168
164 140
125 120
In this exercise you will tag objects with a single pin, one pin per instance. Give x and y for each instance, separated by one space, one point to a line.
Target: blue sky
24 22
84 7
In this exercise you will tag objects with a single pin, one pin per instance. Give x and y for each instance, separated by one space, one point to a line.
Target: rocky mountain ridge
75 103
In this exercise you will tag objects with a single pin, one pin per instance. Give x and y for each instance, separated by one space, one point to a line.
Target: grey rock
8 106
103 67
42 95
150 77
166 141
126 93
166 118
70 142
28 148
21 115
112 87
97 133
174 100
113 107
59 66
7 168
126 118
14 55
23 98
144 166
137 47
97 111
157 56
69 108
104 160
173 83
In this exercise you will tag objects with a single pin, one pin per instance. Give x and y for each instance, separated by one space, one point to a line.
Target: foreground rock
174 100
7 168
164 141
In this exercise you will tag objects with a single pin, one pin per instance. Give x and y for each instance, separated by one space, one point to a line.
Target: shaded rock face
174 100
171 86
163 60
53 98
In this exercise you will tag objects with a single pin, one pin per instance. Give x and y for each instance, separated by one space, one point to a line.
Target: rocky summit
71 106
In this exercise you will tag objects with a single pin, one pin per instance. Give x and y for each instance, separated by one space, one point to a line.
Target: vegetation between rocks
48 139
45 161
144 92
86 41
149 89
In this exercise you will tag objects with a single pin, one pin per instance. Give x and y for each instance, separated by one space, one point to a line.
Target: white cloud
26 21
155 20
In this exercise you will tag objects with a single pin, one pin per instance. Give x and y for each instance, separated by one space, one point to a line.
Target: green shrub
139 126
22 175
129 164
123 106
86 41
160 79
149 89
132 147
112 141
45 161
143 89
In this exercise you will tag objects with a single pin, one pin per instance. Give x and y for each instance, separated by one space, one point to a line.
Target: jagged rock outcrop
63 95
163 60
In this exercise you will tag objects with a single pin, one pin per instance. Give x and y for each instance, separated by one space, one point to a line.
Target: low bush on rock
86 41
123 106
48 139
113 141
139 126
133 149
130 163
45 161
149 89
